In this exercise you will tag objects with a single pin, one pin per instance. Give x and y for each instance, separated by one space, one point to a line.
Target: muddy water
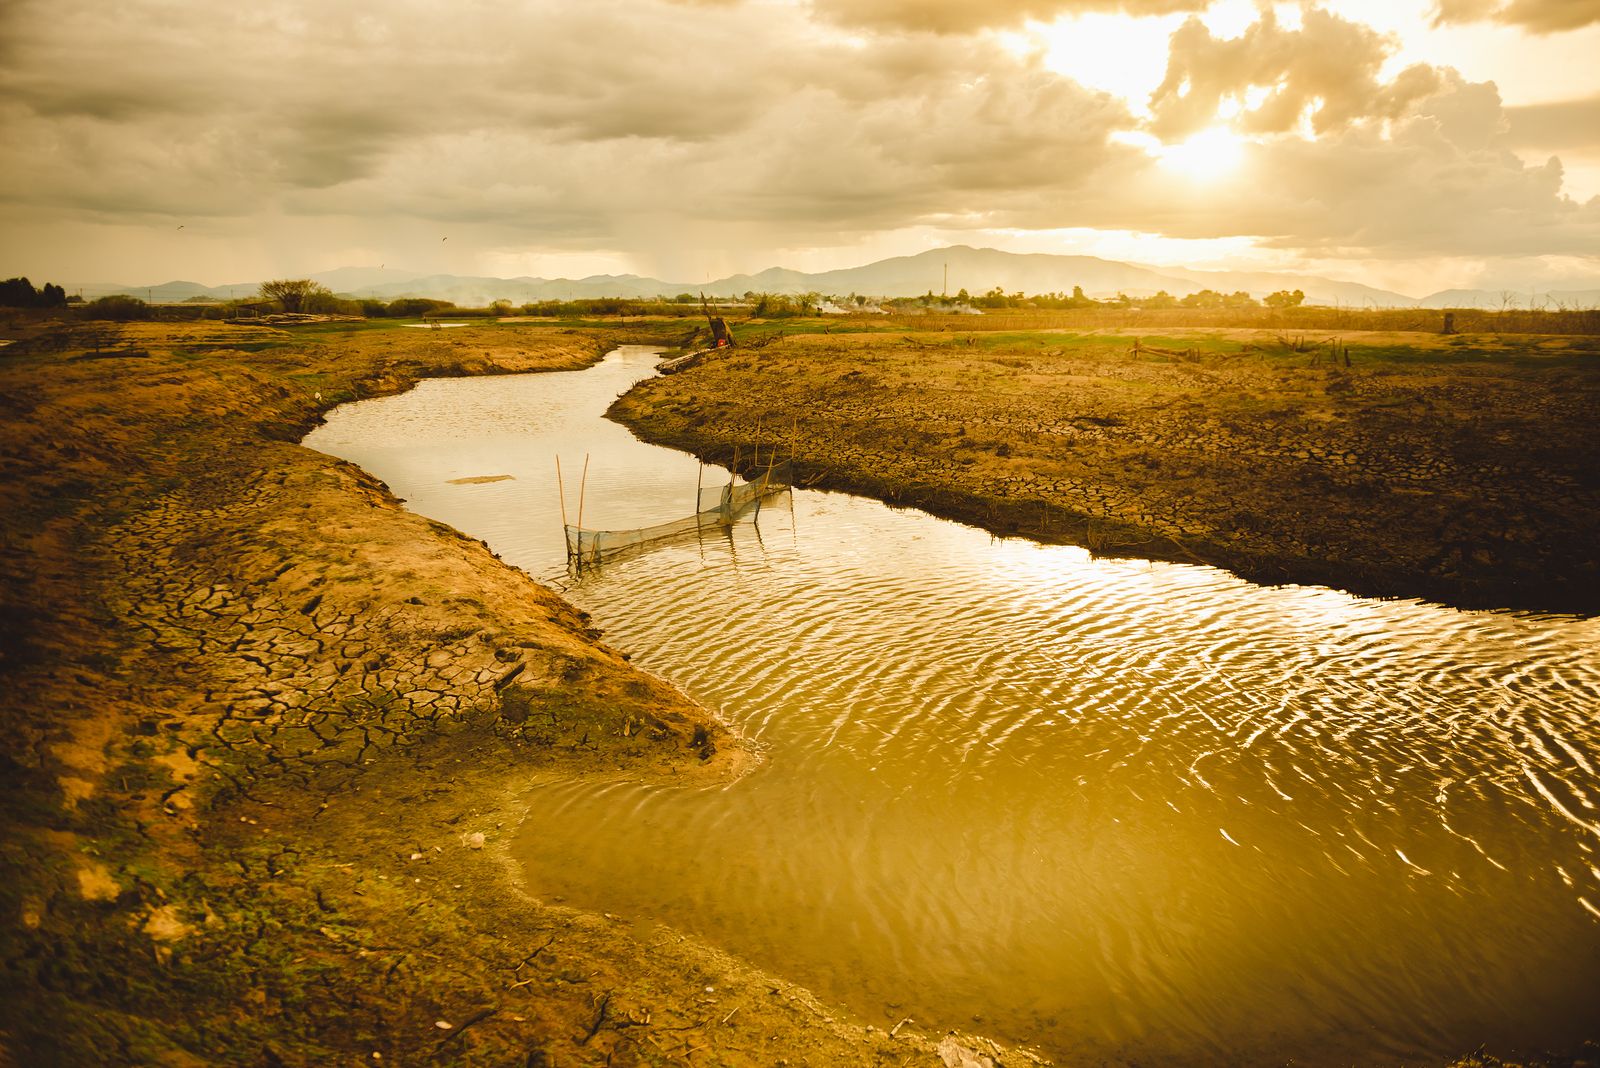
1127 811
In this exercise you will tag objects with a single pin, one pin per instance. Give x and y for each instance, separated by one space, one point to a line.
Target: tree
1285 299
292 293
411 307
19 293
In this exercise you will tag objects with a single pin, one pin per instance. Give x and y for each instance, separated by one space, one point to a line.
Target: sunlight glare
1207 156
1230 18
1126 57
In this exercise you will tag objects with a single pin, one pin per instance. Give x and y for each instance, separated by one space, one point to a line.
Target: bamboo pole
560 488
582 484
766 480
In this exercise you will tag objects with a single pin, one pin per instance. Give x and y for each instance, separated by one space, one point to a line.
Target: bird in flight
180 226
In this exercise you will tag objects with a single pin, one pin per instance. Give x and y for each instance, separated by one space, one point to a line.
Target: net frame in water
717 507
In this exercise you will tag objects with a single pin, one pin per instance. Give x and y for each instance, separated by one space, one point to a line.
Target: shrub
119 307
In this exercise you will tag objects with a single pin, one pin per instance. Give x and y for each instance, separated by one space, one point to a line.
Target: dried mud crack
265 731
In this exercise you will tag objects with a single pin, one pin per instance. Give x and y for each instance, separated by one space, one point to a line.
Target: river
1121 811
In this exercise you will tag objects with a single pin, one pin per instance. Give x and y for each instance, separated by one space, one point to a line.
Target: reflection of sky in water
461 428
1125 810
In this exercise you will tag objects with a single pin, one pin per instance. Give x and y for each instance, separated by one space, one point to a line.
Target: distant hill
1317 290
466 290
977 270
1500 298
165 292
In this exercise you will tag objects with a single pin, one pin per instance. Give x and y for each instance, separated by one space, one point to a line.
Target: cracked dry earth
264 733
1462 469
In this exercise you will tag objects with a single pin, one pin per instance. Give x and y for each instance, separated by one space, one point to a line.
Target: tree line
19 293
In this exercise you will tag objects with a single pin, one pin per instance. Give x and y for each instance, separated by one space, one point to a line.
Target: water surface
1141 812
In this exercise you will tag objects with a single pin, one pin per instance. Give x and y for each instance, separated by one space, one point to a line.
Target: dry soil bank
1463 469
264 733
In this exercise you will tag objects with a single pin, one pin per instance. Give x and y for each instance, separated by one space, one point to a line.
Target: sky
1415 145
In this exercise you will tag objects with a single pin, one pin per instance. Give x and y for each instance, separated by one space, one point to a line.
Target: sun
1207 156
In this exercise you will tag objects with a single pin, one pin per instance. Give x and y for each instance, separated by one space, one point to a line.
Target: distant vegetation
988 311
19 293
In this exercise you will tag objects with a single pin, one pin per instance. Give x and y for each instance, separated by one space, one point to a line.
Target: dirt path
265 733
1462 469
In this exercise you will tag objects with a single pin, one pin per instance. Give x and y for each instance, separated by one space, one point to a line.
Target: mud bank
265 732
1460 469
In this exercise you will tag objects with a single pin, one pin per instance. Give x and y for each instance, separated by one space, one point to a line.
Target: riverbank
267 731
1458 469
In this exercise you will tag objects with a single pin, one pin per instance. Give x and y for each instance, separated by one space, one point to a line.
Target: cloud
965 16
1436 182
624 124
1568 124
1537 16
1327 71
477 114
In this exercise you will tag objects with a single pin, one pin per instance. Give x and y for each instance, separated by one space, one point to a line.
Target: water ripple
1127 811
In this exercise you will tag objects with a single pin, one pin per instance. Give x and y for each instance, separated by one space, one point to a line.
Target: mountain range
944 270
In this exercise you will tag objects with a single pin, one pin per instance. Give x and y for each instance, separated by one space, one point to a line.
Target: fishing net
716 507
